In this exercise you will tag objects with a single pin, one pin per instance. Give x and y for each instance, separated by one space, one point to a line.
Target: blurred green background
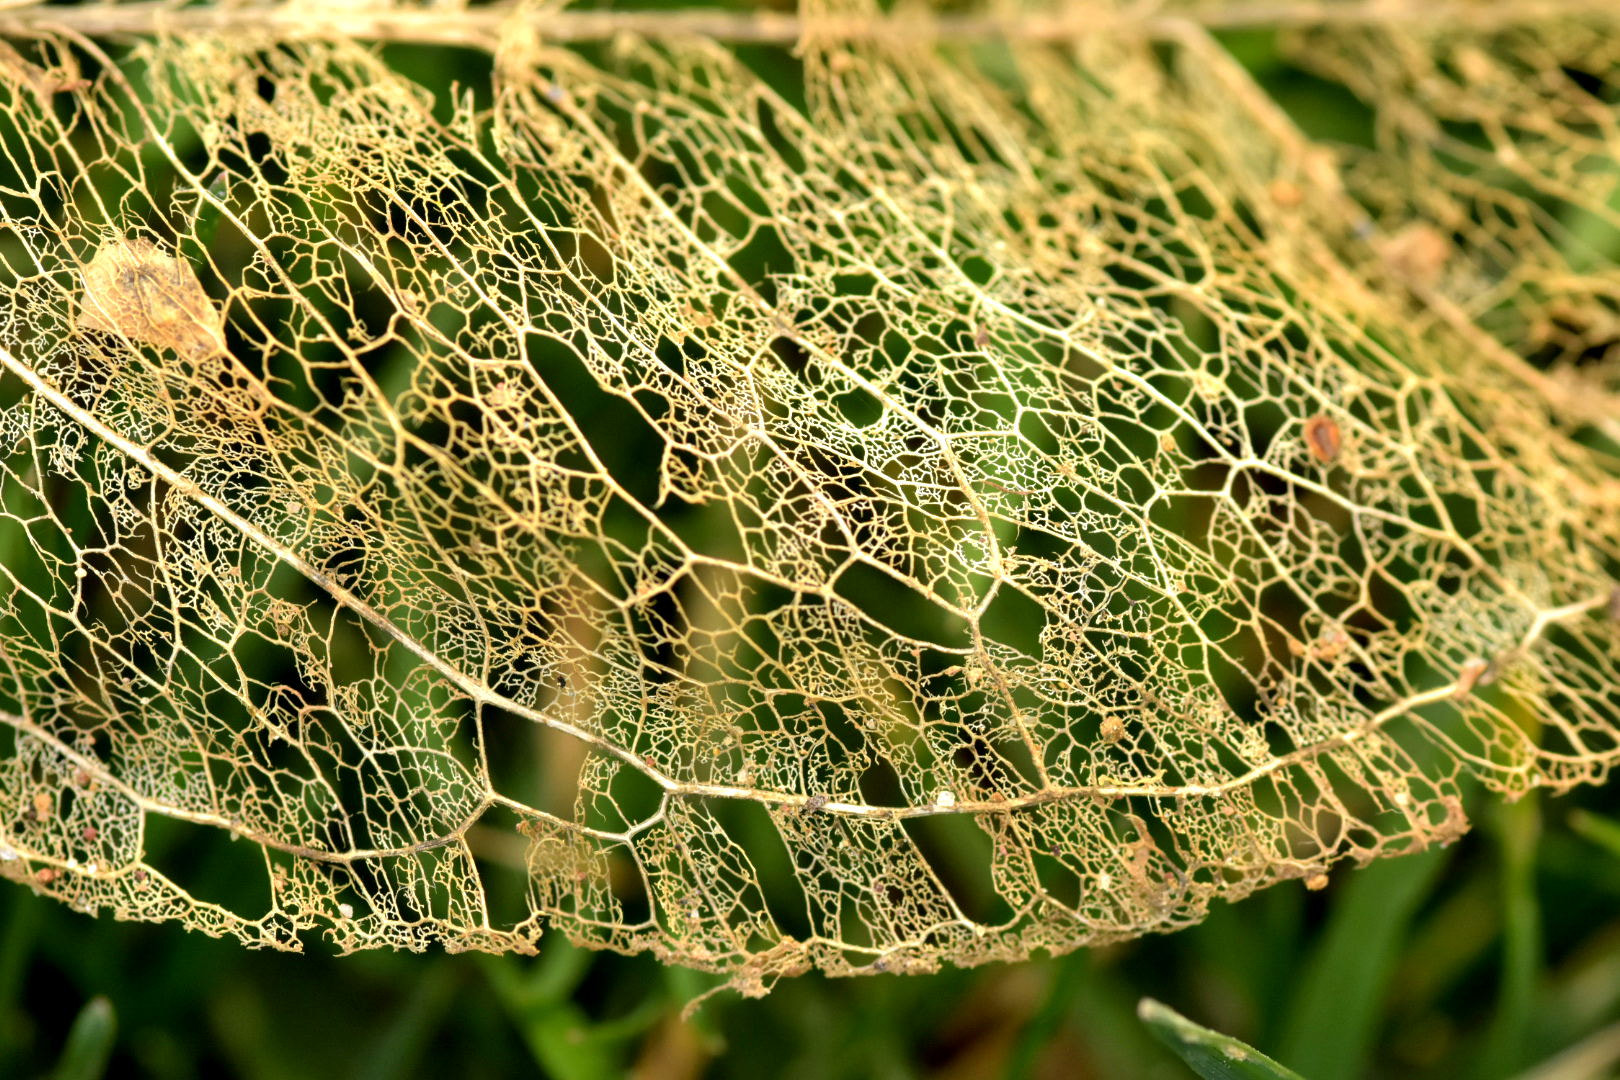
1497 957
1488 959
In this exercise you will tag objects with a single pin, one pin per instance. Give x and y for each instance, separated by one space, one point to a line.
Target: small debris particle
90 832
945 799
81 778
1112 730
46 875
1323 438
1331 644
1418 253
814 803
1286 194
346 910
1474 65
1316 882
1468 676
43 804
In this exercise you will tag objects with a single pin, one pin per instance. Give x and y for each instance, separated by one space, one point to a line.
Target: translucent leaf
907 490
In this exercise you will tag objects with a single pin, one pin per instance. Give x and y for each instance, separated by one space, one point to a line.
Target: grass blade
1602 831
89 1043
1210 1054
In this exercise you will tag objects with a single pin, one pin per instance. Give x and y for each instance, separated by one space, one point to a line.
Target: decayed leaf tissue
1002 488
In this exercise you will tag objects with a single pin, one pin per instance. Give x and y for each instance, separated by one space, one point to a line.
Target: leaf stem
483 26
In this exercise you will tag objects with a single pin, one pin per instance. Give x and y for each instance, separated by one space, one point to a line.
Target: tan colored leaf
923 489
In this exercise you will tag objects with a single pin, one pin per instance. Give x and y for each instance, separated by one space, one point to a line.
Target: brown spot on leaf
135 290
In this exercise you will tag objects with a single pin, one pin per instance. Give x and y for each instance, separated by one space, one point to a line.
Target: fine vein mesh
955 499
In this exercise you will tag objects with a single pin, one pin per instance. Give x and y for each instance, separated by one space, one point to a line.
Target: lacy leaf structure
854 489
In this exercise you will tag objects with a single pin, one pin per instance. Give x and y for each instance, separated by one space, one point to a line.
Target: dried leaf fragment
137 291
